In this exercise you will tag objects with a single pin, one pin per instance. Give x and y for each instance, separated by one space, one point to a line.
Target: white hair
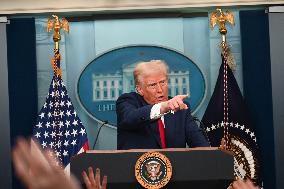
145 68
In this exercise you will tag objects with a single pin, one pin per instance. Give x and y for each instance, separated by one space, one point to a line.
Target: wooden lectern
193 168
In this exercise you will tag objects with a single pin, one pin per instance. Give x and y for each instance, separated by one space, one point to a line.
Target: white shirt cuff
155 111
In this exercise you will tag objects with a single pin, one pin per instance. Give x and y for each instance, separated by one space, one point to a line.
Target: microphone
104 122
201 126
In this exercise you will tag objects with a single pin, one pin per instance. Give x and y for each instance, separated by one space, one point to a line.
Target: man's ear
139 90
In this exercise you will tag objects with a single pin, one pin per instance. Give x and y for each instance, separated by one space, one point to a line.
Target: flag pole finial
220 17
54 23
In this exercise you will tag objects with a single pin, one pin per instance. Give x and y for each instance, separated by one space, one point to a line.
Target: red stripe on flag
86 146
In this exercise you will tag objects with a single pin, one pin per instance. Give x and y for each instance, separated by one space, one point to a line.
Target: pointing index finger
183 96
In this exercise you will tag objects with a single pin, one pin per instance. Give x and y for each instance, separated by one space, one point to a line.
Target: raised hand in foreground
94 182
38 170
244 184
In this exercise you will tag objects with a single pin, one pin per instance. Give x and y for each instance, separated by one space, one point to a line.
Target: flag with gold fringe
227 117
58 126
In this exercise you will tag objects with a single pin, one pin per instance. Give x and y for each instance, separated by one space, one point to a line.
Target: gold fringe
56 69
228 56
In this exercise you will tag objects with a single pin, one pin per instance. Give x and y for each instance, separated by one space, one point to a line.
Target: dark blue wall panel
257 85
22 76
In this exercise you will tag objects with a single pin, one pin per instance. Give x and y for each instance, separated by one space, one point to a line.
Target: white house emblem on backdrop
109 75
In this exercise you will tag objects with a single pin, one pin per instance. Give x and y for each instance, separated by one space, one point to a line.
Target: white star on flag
62 94
51 104
247 131
62 103
43 144
45 134
75 122
39 125
47 124
67 134
60 124
237 125
73 142
74 133
68 113
52 94
37 135
83 131
57 154
60 134
75 113
68 103
52 134
65 153
67 123
51 144
66 143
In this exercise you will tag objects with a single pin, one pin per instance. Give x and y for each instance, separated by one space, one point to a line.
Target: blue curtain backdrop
257 85
21 51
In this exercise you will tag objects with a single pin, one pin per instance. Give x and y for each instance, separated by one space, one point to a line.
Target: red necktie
162 133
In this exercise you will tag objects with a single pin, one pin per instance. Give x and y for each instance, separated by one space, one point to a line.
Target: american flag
58 126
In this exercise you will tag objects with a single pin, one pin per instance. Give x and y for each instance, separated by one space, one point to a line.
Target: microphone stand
104 122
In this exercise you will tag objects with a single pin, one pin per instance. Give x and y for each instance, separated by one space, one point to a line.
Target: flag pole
56 25
220 17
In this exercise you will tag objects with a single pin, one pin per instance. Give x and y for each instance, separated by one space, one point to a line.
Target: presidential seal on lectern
153 170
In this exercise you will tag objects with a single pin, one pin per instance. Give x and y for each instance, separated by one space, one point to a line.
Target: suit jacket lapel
154 129
155 132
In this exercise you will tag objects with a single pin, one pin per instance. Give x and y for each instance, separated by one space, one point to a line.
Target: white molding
3 19
276 9
47 6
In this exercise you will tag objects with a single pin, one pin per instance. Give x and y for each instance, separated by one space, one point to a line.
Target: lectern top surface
154 150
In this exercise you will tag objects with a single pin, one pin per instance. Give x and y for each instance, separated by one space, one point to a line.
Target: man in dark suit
150 119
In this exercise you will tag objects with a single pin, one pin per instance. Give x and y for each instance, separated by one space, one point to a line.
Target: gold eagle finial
219 16
54 23
222 18
57 25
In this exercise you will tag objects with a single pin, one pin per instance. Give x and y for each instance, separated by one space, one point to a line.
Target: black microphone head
105 122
